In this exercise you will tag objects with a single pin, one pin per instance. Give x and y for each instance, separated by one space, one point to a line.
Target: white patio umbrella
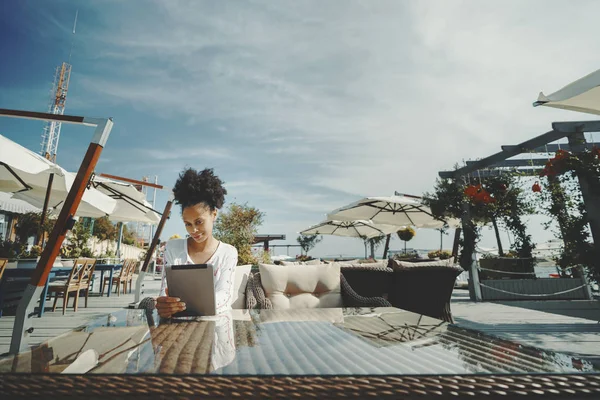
583 95
394 210
357 229
94 203
132 205
26 174
20 167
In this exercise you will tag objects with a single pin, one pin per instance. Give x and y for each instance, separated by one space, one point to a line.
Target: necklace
199 257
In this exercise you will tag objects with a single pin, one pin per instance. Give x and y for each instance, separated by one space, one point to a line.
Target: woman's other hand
167 306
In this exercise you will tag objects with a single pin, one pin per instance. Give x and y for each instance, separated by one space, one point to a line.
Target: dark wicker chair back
425 290
370 281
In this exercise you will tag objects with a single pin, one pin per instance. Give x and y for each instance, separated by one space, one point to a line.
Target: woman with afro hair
200 195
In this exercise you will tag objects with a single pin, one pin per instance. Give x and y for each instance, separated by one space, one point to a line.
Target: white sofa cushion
302 286
240 281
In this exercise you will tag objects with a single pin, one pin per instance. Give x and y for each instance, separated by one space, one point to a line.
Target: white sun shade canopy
394 210
583 95
20 167
132 205
93 204
26 174
366 229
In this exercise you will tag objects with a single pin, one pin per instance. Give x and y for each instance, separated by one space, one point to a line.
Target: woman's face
199 220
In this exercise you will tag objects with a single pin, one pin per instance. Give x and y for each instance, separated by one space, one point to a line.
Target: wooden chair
79 279
129 279
121 278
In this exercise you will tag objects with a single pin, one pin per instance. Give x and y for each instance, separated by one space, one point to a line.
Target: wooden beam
41 116
486 173
129 180
576 126
516 163
537 141
549 148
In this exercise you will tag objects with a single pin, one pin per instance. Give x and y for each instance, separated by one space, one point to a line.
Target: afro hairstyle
195 187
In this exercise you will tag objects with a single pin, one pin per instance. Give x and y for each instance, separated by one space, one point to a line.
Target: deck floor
53 324
568 326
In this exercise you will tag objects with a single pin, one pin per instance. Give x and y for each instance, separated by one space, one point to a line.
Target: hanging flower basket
478 194
406 234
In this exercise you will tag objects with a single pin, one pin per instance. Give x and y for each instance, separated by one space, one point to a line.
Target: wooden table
269 353
111 268
20 277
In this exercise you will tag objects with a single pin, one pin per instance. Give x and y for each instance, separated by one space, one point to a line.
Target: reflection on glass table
351 341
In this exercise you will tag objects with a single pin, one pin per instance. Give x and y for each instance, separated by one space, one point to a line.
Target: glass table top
335 341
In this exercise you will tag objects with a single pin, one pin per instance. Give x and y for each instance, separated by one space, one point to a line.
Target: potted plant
439 254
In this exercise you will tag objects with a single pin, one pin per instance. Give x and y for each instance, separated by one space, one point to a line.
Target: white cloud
182 152
276 197
354 98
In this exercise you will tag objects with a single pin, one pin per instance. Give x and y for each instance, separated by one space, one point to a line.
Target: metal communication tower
58 98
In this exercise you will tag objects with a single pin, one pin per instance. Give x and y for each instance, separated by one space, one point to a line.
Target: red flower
478 194
503 187
596 151
561 154
536 187
471 191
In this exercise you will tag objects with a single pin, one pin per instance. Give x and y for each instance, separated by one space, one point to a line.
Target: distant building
10 209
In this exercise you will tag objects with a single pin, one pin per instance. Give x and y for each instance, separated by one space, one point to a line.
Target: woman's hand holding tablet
167 306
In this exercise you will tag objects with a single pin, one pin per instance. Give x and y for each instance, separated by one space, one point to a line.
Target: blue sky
300 107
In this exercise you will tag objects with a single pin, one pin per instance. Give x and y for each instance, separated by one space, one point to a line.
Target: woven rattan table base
266 387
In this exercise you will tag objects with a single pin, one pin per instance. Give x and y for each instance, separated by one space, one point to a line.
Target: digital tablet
194 284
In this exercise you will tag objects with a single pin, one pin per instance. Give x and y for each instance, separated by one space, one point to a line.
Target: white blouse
224 261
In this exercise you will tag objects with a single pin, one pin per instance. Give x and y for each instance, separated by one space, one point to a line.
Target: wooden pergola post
469 259
23 325
590 192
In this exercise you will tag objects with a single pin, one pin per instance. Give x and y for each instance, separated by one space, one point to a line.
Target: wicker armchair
370 281
256 296
425 290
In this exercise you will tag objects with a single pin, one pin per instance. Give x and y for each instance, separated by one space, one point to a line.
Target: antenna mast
56 104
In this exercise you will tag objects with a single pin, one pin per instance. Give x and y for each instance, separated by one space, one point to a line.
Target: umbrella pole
23 319
387 246
41 235
142 274
120 240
